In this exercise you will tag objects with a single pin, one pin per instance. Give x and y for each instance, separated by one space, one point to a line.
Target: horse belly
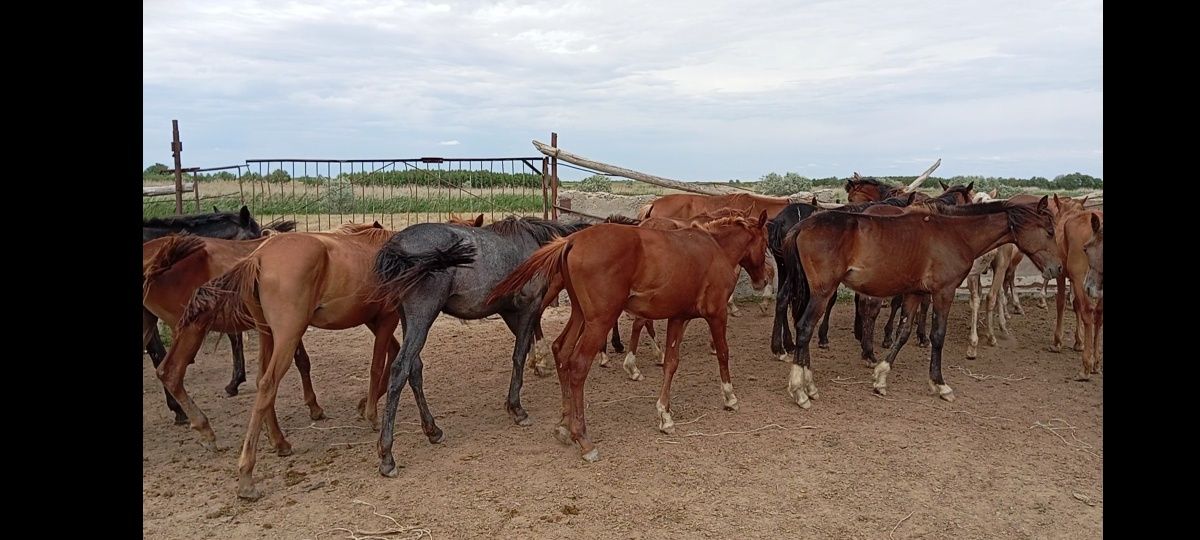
657 306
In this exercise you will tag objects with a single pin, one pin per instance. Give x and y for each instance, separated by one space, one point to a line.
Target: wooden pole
176 148
556 153
545 195
553 175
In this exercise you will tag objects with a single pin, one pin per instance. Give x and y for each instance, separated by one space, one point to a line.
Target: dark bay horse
433 268
291 282
676 275
914 254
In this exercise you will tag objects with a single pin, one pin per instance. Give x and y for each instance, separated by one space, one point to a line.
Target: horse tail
176 248
227 297
547 261
644 211
795 282
398 272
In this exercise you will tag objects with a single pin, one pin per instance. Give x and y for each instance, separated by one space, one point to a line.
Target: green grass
312 204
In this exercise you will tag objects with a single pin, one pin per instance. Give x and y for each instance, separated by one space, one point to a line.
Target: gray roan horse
432 268
238 225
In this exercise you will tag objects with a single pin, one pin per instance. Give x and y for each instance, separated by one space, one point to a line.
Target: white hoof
593 456
942 390
561 433
665 423
730 399
798 384
602 359
630 366
880 378
783 357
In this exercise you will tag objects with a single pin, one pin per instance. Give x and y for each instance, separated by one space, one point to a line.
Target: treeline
415 177
788 183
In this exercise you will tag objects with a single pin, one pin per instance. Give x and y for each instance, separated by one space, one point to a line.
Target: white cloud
449 143
683 89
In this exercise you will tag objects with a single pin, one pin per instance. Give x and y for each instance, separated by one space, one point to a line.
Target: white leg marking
730 399
797 386
880 376
631 368
665 423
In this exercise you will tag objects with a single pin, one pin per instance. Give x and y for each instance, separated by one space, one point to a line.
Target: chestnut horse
914 254
291 282
1010 291
1094 248
1075 229
677 275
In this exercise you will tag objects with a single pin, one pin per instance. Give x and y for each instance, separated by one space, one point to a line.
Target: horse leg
416 381
1085 314
911 304
277 350
568 338
310 396
590 340
894 306
1078 305
1041 303
801 385
618 347
1059 303
630 362
717 327
419 314
1098 317
780 336
869 307
974 286
154 347
922 316
543 359
239 364
941 310
185 343
659 357
733 309
858 316
383 353
674 335
823 334
521 325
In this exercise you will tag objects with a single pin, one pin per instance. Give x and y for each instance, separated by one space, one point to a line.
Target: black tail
398 272
795 280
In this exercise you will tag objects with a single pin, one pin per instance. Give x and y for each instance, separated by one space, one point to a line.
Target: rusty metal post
545 196
176 148
554 177
196 189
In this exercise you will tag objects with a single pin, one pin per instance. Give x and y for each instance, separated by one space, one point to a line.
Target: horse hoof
886 344
947 396
181 420
733 407
541 373
971 355
802 400
881 391
317 414
390 471
783 357
823 345
1056 348
284 451
211 446
923 344
525 421
562 434
362 408
592 456
991 342
668 429
1083 377
249 493
439 437
231 390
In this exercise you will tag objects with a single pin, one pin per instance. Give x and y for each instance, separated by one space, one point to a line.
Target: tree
596 183
157 168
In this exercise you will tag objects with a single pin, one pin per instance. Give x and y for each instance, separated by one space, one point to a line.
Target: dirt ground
853 466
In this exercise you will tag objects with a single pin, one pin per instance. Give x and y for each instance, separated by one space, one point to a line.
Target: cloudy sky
699 90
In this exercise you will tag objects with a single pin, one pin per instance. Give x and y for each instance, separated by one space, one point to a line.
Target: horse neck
734 242
983 233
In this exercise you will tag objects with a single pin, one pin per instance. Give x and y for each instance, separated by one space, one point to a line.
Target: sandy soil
853 466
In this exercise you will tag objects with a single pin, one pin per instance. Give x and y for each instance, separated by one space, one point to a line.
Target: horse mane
281 225
948 197
175 248
622 220
1018 213
541 230
730 220
189 220
351 227
857 208
885 190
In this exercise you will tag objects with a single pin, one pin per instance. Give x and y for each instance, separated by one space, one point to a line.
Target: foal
676 275
914 254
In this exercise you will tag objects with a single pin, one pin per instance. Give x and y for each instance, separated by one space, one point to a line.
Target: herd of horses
679 261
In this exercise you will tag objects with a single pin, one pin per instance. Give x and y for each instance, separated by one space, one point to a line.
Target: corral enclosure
1018 455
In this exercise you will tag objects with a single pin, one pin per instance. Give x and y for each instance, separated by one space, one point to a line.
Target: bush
596 183
774 184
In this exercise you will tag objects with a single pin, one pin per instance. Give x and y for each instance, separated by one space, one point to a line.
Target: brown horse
291 282
467 222
1075 229
686 205
914 254
1094 248
173 268
1014 299
677 275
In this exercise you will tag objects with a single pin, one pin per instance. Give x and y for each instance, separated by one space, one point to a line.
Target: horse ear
994 192
912 196
971 185
376 225
762 219
1096 223
944 186
1083 201
1045 202
814 201
244 215
479 220
216 210
1056 203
